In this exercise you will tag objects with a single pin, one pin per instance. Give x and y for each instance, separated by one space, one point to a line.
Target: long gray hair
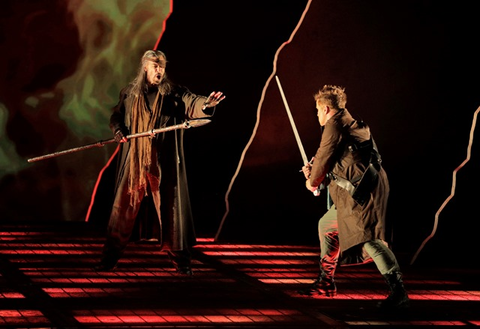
139 84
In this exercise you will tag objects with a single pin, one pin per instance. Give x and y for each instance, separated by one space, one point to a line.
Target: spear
184 125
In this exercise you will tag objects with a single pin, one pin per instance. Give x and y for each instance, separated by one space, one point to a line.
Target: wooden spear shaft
101 143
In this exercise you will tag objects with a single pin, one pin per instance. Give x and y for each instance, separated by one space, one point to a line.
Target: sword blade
295 132
292 123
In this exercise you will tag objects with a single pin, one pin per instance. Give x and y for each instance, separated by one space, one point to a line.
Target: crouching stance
353 229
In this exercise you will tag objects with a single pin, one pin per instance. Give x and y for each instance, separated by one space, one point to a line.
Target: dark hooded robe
155 203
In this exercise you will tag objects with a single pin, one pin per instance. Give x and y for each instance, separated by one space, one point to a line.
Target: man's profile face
154 72
322 113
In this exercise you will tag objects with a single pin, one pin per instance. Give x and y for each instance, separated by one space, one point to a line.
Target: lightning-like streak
164 26
258 117
454 183
99 178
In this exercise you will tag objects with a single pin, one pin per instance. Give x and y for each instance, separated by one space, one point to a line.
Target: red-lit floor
47 281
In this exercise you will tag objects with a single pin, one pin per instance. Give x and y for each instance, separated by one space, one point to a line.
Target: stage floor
47 281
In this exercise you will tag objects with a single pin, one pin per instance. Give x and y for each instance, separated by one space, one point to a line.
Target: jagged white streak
454 183
258 117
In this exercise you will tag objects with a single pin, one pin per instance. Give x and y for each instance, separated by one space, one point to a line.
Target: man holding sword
353 230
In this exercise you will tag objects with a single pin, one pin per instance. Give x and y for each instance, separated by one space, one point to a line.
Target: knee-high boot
398 297
181 259
324 284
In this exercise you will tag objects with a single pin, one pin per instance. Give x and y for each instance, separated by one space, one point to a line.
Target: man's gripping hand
120 137
307 170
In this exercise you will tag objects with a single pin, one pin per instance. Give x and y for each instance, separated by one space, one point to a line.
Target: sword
185 125
295 131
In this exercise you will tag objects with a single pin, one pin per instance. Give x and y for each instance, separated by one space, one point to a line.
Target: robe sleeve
193 106
325 155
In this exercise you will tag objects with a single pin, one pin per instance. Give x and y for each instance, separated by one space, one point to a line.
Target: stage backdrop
409 69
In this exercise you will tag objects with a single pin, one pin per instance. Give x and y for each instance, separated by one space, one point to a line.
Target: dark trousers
378 250
124 215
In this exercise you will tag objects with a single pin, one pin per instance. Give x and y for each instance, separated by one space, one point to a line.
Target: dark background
409 68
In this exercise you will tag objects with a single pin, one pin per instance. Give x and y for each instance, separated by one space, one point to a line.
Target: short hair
333 96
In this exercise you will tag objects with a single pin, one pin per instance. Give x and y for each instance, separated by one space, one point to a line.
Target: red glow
255 247
224 316
11 295
281 268
205 240
21 318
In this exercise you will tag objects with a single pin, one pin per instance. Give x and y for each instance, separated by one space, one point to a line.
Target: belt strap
361 192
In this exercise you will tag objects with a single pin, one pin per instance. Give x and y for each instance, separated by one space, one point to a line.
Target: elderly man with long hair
151 192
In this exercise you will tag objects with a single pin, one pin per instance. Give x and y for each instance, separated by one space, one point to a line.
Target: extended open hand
213 99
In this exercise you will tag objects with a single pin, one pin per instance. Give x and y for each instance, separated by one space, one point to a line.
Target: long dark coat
172 224
356 223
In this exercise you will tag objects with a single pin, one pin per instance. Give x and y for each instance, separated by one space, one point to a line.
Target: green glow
32 101
10 162
124 30
113 35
